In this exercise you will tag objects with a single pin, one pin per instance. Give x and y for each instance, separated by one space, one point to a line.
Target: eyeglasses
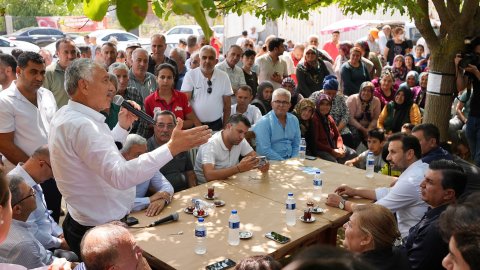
284 103
209 89
162 126
32 194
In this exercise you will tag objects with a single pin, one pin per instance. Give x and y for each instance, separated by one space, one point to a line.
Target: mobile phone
262 160
223 264
310 158
277 237
130 221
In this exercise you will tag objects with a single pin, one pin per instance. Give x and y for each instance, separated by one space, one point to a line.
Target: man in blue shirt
278 132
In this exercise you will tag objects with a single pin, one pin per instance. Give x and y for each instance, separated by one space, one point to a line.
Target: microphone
172 217
118 100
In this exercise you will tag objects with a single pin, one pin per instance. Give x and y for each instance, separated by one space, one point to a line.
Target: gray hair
82 68
137 51
181 53
133 139
113 79
161 36
117 66
100 245
281 92
208 48
14 185
157 114
41 151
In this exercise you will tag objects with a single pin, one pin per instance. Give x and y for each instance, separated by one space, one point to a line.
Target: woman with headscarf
310 72
289 84
304 112
328 141
343 55
420 92
353 73
399 70
364 110
411 80
264 97
399 111
386 91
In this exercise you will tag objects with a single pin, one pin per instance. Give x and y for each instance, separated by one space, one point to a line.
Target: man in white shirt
271 67
244 97
242 38
35 171
209 90
98 184
229 65
219 158
158 185
8 67
383 37
253 35
404 198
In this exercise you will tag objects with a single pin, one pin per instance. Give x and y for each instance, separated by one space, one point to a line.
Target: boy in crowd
375 141
248 60
419 60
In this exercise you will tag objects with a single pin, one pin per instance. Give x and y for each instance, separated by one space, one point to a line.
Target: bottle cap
290 194
317 172
200 219
234 211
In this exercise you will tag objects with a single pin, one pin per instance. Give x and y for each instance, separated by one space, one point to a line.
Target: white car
124 38
7 45
182 31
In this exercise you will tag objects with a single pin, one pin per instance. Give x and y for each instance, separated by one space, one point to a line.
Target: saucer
214 197
219 203
196 215
188 211
318 210
307 221
245 234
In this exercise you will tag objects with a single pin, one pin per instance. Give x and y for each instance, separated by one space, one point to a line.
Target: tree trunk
441 84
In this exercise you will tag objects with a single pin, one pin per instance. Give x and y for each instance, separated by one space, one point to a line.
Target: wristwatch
341 204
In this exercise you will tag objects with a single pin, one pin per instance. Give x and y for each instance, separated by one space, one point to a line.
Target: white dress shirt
30 124
252 113
404 198
158 183
98 184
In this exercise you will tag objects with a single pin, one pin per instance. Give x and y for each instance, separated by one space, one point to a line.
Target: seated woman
264 97
289 84
353 73
364 109
411 80
371 233
399 70
310 72
328 142
399 111
304 112
386 91
420 92
410 63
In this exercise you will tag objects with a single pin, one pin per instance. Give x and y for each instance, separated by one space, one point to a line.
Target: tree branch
422 22
443 12
453 8
469 9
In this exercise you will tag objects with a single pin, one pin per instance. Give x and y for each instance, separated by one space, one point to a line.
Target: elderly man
179 171
179 56
138 76
35 171
219 158
158 185
128 52
278 132
293 58
82 147
108 53
127 92
194 61
206 86
21 247
159 45
55 72
403 198
444 183
111 246
229 65
383 37
271 67
8 68
429 136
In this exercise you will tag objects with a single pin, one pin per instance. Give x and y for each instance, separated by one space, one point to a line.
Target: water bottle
234 229
317 186
303 150
201 235
290 215
370 165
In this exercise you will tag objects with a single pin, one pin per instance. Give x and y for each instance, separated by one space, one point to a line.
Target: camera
469 58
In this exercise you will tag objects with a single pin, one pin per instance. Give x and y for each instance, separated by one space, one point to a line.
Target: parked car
182 31
7 45
123 38
218 29
39 36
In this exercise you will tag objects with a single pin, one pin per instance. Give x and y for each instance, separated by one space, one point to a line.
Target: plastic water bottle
303 150
234 229
370 164
317 186
201 235
290 206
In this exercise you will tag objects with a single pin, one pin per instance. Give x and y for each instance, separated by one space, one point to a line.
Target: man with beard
218 159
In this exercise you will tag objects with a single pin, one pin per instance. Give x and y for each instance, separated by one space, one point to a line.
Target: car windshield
19 32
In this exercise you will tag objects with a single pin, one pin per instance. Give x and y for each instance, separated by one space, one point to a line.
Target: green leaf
276 4
58 2
208 4
158 9
213 13
131 13
95 9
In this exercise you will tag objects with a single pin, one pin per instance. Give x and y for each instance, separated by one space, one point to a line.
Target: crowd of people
62 136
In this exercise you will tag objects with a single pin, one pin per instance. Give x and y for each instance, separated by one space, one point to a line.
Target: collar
24 174
435 212
79 107
21 224
224 63
13 91
159 98
58 67
131 76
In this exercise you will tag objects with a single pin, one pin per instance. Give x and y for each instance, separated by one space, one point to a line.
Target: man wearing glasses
209 90
35 171
278 132
179 170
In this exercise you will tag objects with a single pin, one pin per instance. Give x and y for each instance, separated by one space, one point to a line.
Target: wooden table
260 201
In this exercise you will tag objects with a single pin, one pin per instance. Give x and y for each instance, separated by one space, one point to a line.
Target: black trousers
53 198
73 232
216 125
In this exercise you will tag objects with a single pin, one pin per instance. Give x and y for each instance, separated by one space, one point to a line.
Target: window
175 31
187 31
4 43
38 32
